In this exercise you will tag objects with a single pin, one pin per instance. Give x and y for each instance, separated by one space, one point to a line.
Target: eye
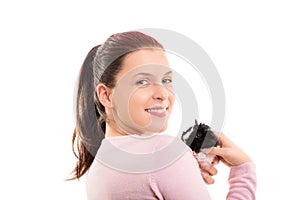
142 82
167 81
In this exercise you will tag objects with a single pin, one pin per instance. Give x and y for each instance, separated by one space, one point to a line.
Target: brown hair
101 65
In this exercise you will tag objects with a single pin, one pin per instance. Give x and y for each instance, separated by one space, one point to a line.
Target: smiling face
143 97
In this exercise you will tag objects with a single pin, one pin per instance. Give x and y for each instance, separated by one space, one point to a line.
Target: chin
154 130
155 127
164 128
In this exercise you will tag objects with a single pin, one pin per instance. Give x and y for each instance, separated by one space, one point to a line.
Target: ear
104 95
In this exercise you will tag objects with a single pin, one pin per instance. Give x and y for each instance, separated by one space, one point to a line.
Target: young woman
124 100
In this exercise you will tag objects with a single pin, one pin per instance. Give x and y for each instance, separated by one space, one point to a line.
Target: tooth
157 110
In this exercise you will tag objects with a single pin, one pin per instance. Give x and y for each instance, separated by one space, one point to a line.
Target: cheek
137 105
171 99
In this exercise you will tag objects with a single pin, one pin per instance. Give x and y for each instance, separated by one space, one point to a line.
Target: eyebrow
149 74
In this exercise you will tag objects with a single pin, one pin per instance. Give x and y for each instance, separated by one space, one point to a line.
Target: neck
112 131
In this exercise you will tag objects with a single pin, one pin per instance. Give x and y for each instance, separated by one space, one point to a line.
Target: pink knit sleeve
242 182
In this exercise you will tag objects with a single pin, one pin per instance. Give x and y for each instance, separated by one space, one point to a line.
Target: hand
207 170
229 153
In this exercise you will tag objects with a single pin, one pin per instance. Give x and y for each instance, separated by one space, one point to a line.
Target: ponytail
90 126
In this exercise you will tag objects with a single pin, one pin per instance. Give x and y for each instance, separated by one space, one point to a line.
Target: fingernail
201 156
206 150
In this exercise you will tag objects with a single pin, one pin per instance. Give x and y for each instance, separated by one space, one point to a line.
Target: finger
216 151
207 178
225 141
210 169
216 160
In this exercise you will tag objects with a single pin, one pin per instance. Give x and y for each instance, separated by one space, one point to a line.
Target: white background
254 45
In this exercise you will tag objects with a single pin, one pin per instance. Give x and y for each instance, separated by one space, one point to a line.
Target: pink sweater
114 174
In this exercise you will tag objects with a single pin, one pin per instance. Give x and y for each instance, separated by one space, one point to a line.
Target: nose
160 92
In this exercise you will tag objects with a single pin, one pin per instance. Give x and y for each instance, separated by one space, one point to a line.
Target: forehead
135 61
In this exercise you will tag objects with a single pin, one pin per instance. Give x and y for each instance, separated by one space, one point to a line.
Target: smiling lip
157 111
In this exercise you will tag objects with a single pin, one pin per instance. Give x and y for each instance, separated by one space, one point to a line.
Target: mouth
158 111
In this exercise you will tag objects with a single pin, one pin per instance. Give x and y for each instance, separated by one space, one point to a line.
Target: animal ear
196 122
188 130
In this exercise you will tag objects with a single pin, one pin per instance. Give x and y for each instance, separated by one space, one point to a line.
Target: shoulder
180 178
163 141
175 152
